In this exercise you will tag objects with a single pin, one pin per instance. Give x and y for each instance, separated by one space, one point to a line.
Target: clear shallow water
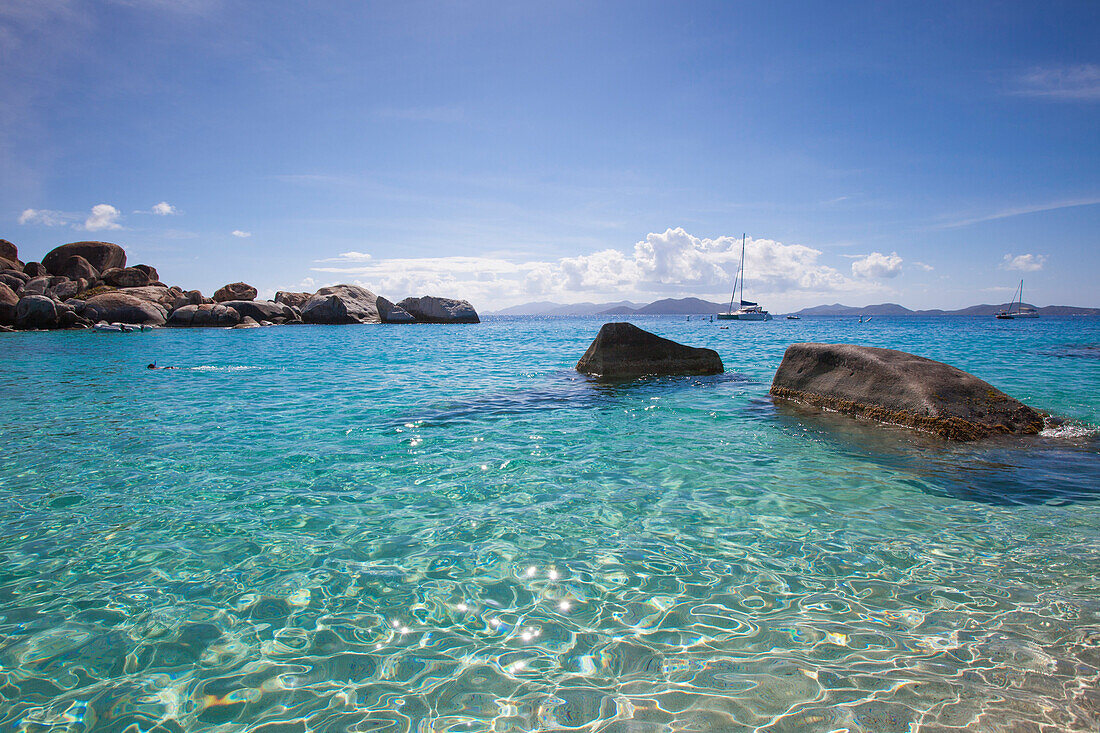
447 529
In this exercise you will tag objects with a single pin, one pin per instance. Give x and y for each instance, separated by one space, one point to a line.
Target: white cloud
877 265
673 263
103 216
165 209
922 266
1068 83
242 235
1024 263
45 217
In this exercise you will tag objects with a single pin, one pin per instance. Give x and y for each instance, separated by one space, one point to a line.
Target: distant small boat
748 311
794 318
1016 307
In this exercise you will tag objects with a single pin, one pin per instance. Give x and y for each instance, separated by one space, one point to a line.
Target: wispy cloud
162 209
46 217
1019 211
1023 263
1065 83
241 234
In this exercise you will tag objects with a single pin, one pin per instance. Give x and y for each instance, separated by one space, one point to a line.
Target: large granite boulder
235 291
8 302
36 286
77 267
295 300
205 314
13 282
430 309
622 351
6 264
341 304
8 251
125 277
118 307
391 313
262 310
68 289
152 293
895 387
101 255
35 269
149 270
36 311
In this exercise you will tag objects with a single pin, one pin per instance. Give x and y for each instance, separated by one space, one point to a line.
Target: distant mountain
695 306
680 306
548 308
836 309
893 309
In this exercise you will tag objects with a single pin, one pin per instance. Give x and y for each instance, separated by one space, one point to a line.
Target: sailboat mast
742 269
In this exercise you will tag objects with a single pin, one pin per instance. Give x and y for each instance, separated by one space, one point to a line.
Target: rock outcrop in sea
895 387
83 283
623 351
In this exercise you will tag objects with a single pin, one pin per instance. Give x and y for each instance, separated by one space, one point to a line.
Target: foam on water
446 529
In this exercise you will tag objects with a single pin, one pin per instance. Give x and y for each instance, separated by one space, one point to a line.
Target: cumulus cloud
242 235
164 209
877 266
1023 263
45 217
1068 83
672 263
103 216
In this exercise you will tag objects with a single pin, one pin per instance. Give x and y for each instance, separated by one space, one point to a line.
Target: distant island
696 306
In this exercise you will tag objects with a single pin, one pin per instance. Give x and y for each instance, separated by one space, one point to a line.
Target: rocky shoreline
82 284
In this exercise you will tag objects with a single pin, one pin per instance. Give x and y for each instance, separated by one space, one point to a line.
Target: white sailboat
1016 307
747 310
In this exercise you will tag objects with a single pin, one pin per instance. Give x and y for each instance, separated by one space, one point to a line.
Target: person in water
154 366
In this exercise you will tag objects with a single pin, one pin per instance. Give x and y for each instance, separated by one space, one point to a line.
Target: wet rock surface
624 351
900 388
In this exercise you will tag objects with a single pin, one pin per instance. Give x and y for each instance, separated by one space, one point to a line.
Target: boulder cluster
882 385
81 284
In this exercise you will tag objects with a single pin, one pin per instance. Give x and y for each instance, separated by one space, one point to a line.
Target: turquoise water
424 528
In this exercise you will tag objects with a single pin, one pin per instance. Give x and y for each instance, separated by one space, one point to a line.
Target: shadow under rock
1001 470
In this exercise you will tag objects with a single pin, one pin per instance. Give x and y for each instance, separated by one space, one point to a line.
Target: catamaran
747 310
1016 307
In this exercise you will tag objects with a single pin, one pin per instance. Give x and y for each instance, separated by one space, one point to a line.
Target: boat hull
744 317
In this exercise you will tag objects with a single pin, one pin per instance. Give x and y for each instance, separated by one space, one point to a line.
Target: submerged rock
101 255
235 291
118 307
622 350
342 304
430 309
899 388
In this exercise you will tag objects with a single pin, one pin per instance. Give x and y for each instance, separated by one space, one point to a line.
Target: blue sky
930 154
